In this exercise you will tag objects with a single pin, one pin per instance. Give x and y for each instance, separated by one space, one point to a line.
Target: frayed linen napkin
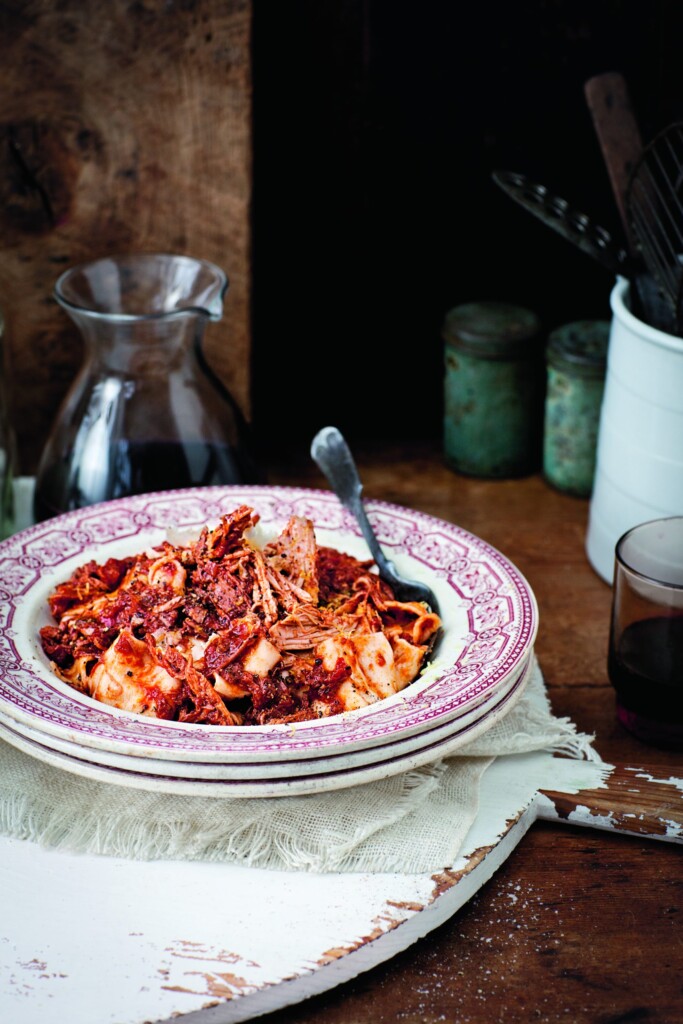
412 823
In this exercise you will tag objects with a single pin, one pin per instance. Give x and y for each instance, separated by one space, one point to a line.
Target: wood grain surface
577 925
637 799
123 126
618 134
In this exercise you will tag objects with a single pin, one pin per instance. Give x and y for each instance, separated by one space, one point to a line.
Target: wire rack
654 204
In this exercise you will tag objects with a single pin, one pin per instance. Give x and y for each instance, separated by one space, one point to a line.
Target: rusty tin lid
493 330
579 348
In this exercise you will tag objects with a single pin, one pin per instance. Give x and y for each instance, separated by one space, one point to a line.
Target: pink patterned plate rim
489 612
276 770
298 785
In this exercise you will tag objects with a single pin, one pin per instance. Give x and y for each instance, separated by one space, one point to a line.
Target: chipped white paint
642 811
86 938
671 781
579 816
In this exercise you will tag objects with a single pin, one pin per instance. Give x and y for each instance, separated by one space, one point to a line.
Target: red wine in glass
645 666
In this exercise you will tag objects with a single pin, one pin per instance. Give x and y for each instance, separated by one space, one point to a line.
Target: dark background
377 125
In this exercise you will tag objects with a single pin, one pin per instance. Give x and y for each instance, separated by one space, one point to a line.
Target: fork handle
332 454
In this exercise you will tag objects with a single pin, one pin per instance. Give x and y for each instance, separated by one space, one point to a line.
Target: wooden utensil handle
645 801
618 133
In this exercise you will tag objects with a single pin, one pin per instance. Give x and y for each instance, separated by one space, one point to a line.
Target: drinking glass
645 659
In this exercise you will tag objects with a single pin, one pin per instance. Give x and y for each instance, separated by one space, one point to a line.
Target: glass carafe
146 412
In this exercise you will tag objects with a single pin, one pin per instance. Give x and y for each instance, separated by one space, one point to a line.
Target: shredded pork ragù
221 632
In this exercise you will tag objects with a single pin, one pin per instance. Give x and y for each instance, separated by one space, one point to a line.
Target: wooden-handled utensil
618 134
621 145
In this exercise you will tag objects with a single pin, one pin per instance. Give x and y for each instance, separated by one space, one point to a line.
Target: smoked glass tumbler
645 658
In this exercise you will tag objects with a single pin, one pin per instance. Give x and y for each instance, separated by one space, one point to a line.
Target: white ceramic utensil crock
639 462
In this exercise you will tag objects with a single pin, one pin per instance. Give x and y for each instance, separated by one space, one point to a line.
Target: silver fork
331 453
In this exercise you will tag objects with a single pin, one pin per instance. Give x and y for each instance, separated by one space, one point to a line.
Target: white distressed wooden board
87 939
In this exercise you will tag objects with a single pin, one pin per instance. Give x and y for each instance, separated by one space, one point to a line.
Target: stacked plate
479 668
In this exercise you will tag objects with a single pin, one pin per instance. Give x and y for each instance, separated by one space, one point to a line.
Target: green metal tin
576 358
493 390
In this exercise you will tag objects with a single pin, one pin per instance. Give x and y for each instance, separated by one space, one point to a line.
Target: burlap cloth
412 822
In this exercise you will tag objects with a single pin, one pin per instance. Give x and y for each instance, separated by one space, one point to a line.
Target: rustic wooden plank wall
123 126
129 123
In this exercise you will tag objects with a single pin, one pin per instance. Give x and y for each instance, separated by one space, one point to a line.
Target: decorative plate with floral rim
488 610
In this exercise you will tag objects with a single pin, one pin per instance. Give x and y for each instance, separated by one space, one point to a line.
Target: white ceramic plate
489 614
270 769
299 785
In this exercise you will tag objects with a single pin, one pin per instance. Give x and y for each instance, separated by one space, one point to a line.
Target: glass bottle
145 412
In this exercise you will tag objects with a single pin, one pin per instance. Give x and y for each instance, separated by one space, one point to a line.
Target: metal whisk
654 204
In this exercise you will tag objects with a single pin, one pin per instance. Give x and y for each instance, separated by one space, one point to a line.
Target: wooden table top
577 925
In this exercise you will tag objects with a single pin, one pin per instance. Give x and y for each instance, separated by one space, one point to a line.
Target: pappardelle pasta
222 631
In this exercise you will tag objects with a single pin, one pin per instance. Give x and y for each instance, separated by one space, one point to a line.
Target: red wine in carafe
139 468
